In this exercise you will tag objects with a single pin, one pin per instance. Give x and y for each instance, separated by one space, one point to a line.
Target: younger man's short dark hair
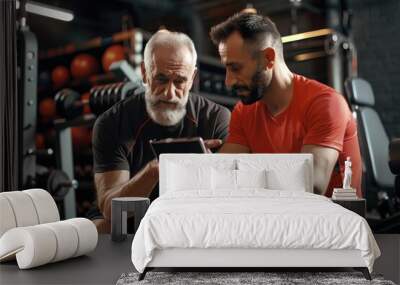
255 29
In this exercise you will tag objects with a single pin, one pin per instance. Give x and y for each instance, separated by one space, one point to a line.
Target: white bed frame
245 258
234 257
242 259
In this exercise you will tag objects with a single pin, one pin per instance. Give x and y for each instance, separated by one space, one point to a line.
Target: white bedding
252 218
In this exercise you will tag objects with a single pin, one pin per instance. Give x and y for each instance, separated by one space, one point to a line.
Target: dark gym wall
376 27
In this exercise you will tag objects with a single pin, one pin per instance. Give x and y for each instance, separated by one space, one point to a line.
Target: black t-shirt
121 135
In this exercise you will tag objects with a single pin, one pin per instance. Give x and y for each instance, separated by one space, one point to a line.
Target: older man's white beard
162 115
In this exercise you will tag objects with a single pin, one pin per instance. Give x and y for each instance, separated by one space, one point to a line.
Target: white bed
221 211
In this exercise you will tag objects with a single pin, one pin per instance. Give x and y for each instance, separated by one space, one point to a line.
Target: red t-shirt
316 115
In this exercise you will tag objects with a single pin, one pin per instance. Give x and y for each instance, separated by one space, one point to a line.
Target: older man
123 162
283 112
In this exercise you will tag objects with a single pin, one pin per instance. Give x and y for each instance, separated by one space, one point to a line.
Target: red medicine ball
47 109
112 54
60 76
83 66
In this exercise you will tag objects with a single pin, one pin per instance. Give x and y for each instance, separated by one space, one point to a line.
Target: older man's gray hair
169 39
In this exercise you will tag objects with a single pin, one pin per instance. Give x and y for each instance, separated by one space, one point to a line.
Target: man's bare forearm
140 185
324 161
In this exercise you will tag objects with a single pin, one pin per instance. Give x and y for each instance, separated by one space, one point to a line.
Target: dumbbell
104 96
56 181
59 184
70 105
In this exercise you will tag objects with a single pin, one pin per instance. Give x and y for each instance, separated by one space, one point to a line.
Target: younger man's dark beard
256 90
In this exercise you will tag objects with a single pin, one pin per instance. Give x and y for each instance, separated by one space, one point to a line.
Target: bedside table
120 208
357 205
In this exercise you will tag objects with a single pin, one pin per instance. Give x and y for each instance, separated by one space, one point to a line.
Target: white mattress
253 218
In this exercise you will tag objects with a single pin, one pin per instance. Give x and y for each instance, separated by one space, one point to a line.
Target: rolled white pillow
45 206
33 246
87 235
26 208
23 208
40 244
66 238
7 217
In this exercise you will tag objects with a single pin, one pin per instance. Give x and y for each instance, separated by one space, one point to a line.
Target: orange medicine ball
84 65
112 54
60 76
47 109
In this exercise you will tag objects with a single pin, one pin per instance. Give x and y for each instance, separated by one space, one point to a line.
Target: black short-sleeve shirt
121 135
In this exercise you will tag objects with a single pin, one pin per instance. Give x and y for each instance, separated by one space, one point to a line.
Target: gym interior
65 63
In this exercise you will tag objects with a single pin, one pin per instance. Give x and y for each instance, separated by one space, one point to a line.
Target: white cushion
23 208
251 178
293 180
285 174
31 246
223 179
45 205
26 208
87 235
183 177
40 244
226 179
66 238
7 217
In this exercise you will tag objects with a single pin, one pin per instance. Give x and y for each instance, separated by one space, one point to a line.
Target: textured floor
226 278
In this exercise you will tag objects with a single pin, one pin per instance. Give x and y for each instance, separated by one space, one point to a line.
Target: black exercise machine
380 157
31 175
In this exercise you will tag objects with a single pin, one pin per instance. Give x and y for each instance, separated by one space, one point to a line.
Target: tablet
178 145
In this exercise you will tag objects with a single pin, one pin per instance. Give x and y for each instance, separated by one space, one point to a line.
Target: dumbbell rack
64 154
